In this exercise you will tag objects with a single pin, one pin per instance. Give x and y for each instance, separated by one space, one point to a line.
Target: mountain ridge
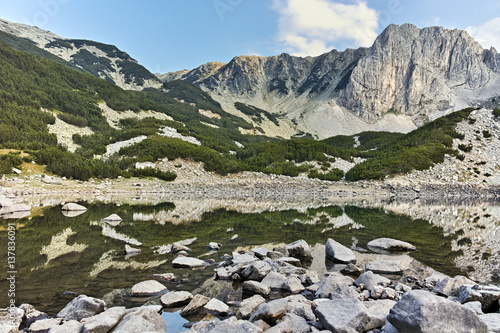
415 74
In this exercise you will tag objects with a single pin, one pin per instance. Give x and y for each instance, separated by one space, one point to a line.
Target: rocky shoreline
280 290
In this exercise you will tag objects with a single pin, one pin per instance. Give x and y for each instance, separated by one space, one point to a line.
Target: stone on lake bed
73 207
187 262
389 244
163 277
148 288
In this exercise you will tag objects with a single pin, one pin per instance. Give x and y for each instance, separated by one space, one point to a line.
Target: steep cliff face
418 71
407 77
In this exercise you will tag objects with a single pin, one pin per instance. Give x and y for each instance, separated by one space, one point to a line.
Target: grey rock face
103 322
176 298
196 304
140 320
342 315
389 244
422 311
408 69
81 307
147 288
338 252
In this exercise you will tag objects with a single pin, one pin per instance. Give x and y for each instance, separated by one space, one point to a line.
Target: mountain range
408 77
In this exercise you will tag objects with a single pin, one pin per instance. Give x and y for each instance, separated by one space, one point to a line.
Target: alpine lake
59 256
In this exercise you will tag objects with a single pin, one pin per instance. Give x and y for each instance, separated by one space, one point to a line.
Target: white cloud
487 34
312 27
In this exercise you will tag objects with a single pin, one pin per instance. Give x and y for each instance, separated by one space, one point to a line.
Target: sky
170 35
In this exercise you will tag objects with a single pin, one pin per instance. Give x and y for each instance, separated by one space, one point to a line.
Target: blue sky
170 35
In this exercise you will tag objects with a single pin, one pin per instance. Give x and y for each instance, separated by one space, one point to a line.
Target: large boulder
342 315
291 323
176 298
81 307
148 288
338 252
104 321
300 250
389 245
377 313
140 320
420 311
5 202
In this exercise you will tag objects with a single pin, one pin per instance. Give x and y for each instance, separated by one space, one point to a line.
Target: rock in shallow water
196 304
104 321
338 252
187 262
140 320
389 244
148 288
176 298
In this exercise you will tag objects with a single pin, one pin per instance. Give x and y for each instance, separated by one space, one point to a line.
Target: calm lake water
57 256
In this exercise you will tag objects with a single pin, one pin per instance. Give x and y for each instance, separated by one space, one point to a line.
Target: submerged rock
188 262
389 244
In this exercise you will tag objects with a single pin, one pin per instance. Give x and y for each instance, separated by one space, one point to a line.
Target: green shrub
9 161
465 148
73 120
496 112
486 134
151 172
